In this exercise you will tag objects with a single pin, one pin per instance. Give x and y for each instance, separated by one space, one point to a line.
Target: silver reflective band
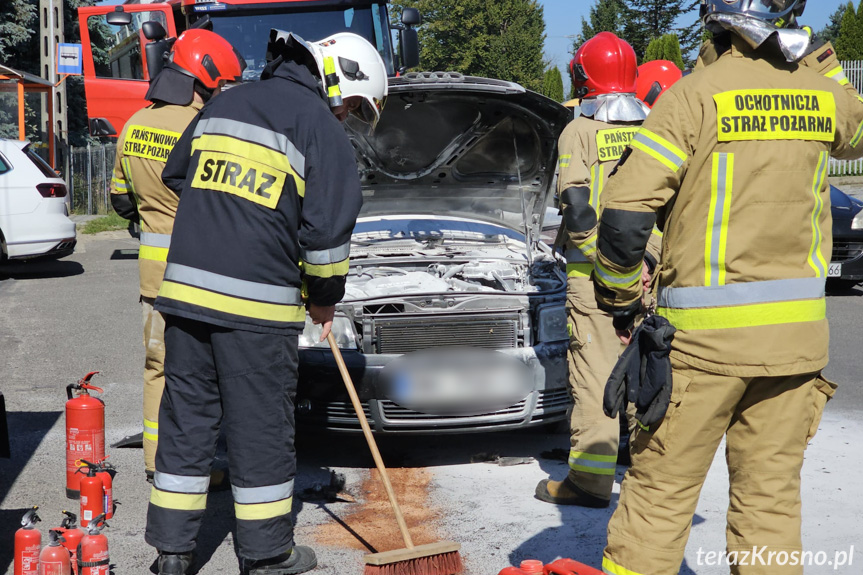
232 286
593 464
181 483
720 217
256 135
576 257
155 240
659 149
742 294
816 215
330 256
265 494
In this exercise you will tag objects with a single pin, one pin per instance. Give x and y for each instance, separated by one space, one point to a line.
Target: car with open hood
453 318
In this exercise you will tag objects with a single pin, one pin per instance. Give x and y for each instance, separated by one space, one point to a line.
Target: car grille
405 336
395 413
845 251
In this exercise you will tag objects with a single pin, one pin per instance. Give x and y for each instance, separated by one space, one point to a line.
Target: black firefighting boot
298 560
566 492
175 563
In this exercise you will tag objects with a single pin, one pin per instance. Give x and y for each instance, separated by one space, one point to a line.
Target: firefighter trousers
246 382
593 351
767 422
154 378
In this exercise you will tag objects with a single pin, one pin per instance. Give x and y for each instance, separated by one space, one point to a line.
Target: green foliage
665 48
831 31
849 42
552 84
605 16
492 38
646 20
110 223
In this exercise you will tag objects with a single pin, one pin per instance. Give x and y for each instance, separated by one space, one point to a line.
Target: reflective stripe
717 219
858 136
597 176
255 134
656 232
265 494
588 246
181 483
231 305
579 270
659 148
330 256
178 501
151 430
327 270
258 511
575 256
127 171
742 294
838 74
564 160
120 185
232 286
619 279
153 254
590 463
156 240
612 568
777 313
816 259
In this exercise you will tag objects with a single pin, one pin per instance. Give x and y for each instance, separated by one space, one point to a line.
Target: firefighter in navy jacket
269 195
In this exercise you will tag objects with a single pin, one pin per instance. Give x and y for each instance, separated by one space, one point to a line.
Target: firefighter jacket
142 150
588 153
733 164
267 179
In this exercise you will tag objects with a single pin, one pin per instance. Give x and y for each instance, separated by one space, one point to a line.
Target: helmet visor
370 110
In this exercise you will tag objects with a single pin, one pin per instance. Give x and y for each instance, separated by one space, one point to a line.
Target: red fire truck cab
116 74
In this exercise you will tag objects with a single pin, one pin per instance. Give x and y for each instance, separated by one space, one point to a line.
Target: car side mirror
153 30
411 17
101 127
409 48
118 17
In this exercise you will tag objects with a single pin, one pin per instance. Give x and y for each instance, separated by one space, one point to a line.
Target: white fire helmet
348 65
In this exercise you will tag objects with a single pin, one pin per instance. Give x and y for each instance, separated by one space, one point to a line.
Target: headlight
857 222
343 331
551 323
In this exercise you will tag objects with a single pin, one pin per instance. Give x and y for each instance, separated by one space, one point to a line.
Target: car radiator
844 251
398 336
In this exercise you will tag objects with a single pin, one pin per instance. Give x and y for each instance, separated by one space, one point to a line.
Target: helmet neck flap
793 43
613 108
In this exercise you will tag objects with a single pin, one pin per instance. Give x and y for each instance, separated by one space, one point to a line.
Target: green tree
849 42
645 20
552 84
19 49
605 16
831 31
665 48
492 38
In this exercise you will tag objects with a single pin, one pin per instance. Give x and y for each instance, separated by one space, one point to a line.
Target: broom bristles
441 564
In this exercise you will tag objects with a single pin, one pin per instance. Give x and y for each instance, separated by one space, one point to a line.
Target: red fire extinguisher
85 430
570 567
54 559
71 537
105 472
28 541
93 556
92 493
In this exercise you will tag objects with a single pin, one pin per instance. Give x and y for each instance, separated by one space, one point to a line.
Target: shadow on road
26 430
40 269
844 288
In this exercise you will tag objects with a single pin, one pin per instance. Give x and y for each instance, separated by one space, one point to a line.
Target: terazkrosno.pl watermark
761 557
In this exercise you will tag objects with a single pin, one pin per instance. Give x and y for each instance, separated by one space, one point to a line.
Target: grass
111 222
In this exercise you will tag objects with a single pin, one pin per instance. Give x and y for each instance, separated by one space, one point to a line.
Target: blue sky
563 18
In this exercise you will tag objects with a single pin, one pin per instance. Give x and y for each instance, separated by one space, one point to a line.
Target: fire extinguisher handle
69 389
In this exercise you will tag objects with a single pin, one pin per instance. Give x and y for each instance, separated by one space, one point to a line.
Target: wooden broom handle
373 446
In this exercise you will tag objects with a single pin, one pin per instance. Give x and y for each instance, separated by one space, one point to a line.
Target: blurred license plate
834 271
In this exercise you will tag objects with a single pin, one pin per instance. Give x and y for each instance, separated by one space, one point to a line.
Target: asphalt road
59 320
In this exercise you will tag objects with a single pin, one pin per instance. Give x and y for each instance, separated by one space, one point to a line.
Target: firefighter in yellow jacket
604 73
200 63
732 163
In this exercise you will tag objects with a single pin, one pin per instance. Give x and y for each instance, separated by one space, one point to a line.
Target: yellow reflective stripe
179 501
151 430
153 253
816 259
327 270
120 185
659 149
588 246
764 314
564 160
579 270
859 135
716 242
249 150
838 74
232 305
591 463
592 457
257 511
599 185
656 232
593 470
127 170
619 279
612 568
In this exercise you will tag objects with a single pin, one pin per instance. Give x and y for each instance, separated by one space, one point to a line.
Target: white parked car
34 206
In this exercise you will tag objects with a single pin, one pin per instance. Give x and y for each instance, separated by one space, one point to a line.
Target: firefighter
138 194
604 75
732 163
269 197
654 78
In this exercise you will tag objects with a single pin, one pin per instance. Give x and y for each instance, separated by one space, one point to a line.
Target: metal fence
90 172
854 71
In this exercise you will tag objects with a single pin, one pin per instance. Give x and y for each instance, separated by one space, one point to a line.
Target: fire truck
129 40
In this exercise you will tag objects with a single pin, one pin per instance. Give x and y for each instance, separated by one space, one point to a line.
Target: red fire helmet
206 56
605 64
654 78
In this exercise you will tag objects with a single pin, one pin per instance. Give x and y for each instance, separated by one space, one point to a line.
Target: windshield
248 31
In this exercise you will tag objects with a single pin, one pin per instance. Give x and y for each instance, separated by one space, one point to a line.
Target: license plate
834 271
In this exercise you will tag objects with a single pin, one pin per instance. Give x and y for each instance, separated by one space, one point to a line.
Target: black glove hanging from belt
642 374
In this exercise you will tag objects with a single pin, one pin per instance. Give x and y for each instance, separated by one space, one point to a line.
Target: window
40 163
117 50
4 166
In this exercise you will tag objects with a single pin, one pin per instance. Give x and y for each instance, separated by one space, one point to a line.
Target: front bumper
849 253
323 402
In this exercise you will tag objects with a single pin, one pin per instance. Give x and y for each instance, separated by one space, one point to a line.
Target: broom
441 558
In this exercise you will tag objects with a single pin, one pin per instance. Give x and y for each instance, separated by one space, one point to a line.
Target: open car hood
453 145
